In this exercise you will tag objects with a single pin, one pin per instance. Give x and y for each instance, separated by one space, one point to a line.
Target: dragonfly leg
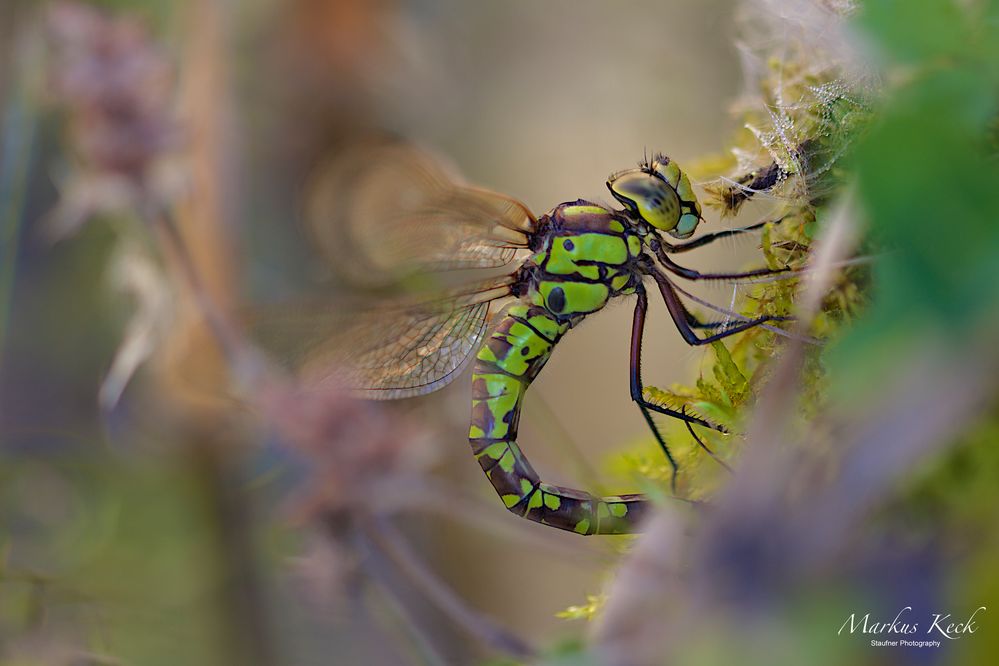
637 394
697 323
700 442
682 317
707 239
691 274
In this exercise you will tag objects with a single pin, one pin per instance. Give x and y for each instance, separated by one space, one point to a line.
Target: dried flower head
806 98
117 86
361 459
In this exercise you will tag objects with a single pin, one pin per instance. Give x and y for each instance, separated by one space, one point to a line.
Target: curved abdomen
504 367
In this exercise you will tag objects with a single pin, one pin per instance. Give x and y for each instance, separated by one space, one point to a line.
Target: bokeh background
161 503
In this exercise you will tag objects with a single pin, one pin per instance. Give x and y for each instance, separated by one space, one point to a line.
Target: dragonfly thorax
584 255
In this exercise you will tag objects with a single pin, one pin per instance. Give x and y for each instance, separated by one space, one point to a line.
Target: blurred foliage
584 611
98 551
927 175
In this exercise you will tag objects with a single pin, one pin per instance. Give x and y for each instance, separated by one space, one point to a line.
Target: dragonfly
402 215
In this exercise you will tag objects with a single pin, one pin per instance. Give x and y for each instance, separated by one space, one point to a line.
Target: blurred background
541 101
161 503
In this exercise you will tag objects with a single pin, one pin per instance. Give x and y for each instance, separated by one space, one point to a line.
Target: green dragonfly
402 216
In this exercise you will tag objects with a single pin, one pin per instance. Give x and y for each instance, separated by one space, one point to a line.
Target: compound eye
686 227
653 199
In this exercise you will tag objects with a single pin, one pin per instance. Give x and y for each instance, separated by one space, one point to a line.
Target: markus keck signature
905 624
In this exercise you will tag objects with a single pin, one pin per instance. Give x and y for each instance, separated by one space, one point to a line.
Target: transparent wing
394 350
382 210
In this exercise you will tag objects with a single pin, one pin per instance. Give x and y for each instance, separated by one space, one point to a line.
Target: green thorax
584 255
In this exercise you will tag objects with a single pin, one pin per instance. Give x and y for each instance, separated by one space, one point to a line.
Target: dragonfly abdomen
504 368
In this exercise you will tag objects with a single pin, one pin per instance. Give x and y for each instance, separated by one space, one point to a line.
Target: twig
16 151
422 643
240 594
233 346
383 536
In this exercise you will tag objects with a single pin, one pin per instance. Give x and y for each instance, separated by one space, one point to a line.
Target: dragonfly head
658 193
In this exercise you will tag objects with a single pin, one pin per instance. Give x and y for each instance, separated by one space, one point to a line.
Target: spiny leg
681 316
637 331
707 239
697 323
691 274
685 322
662 444
700 442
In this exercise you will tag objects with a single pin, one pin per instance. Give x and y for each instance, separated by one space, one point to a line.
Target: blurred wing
383 210
395 350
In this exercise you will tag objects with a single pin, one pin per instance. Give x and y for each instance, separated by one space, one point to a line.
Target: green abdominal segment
504 367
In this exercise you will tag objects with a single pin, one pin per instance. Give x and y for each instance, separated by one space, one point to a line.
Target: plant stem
387 540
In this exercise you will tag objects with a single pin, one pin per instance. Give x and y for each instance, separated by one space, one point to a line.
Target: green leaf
915 30
729 376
